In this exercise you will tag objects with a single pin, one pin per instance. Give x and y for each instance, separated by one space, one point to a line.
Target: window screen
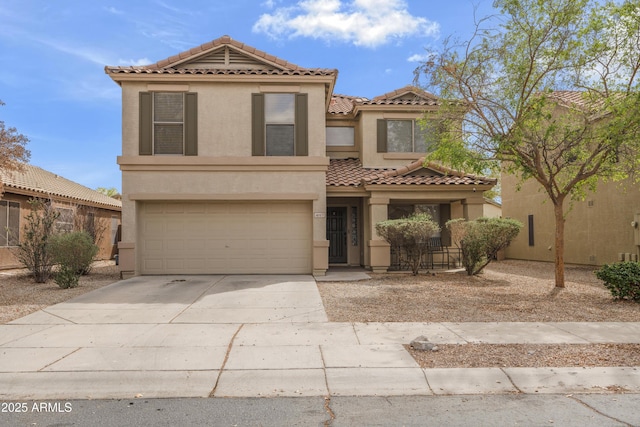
168 123
341 136
411 136
399 136
279 120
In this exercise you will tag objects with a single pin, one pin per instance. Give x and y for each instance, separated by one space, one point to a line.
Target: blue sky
53 55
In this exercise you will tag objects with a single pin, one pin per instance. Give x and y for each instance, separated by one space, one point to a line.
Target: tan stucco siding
141 186
224 115
596 229
368 129
102 222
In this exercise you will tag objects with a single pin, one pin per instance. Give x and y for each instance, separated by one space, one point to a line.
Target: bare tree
12 149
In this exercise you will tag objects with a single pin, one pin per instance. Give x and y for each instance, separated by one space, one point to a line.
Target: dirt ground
20 296
508 291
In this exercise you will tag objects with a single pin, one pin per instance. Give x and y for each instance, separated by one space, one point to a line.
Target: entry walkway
260 336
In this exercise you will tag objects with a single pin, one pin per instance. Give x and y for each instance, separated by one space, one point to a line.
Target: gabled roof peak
222 56
406 92
350 173
198 56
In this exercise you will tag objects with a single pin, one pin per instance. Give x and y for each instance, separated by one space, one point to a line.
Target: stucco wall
224 167
368 130
596 229
107 248
224 115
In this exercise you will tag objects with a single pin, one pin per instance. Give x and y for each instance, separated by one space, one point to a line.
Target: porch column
379 249
473 207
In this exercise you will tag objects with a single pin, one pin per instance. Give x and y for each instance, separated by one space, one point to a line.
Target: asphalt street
476 410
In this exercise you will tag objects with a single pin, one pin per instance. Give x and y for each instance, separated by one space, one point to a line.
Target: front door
337 235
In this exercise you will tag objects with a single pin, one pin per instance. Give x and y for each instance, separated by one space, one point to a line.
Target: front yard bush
622 279
480 240
74 252
411 234
33 251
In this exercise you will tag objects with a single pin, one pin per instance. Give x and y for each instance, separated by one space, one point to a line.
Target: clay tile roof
343 104
347 173
224 40
38 180
404 91
172 64
214 71
568 96
590 103
350 173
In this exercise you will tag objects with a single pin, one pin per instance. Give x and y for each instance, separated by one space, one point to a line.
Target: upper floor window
405 136
279 124
280 119
340 136
168 123
9 223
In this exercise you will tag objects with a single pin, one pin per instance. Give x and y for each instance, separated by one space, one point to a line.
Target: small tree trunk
559 243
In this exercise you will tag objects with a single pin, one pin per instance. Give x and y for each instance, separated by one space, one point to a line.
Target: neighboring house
235 161
599 230
492 209
79 207
604 228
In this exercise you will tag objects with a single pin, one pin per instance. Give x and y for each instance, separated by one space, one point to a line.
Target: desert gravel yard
507 291
19 295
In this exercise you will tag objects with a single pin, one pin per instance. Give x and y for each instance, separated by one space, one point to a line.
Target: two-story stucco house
235 161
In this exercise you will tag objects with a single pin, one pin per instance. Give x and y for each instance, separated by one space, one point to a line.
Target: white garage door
225 238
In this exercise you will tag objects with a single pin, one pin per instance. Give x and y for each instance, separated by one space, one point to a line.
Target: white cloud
368 23
135 62
419 57
87 54
113 10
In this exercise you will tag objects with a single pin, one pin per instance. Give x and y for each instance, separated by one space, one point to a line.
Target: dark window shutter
530 224
191 124
257 124
445 215
145 142
382 136
302 125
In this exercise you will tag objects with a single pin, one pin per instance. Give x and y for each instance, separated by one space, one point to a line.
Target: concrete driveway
260 336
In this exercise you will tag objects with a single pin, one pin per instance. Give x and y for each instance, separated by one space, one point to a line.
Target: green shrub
622 279
74 252
33 251
410 234
480 240
66 278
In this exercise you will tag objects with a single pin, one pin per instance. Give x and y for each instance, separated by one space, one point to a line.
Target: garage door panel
174 264
231 238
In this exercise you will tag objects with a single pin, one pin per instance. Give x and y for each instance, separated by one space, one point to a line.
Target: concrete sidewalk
259 336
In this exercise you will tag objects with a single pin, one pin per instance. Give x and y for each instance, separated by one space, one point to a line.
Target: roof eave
328 79
11 189
394 108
